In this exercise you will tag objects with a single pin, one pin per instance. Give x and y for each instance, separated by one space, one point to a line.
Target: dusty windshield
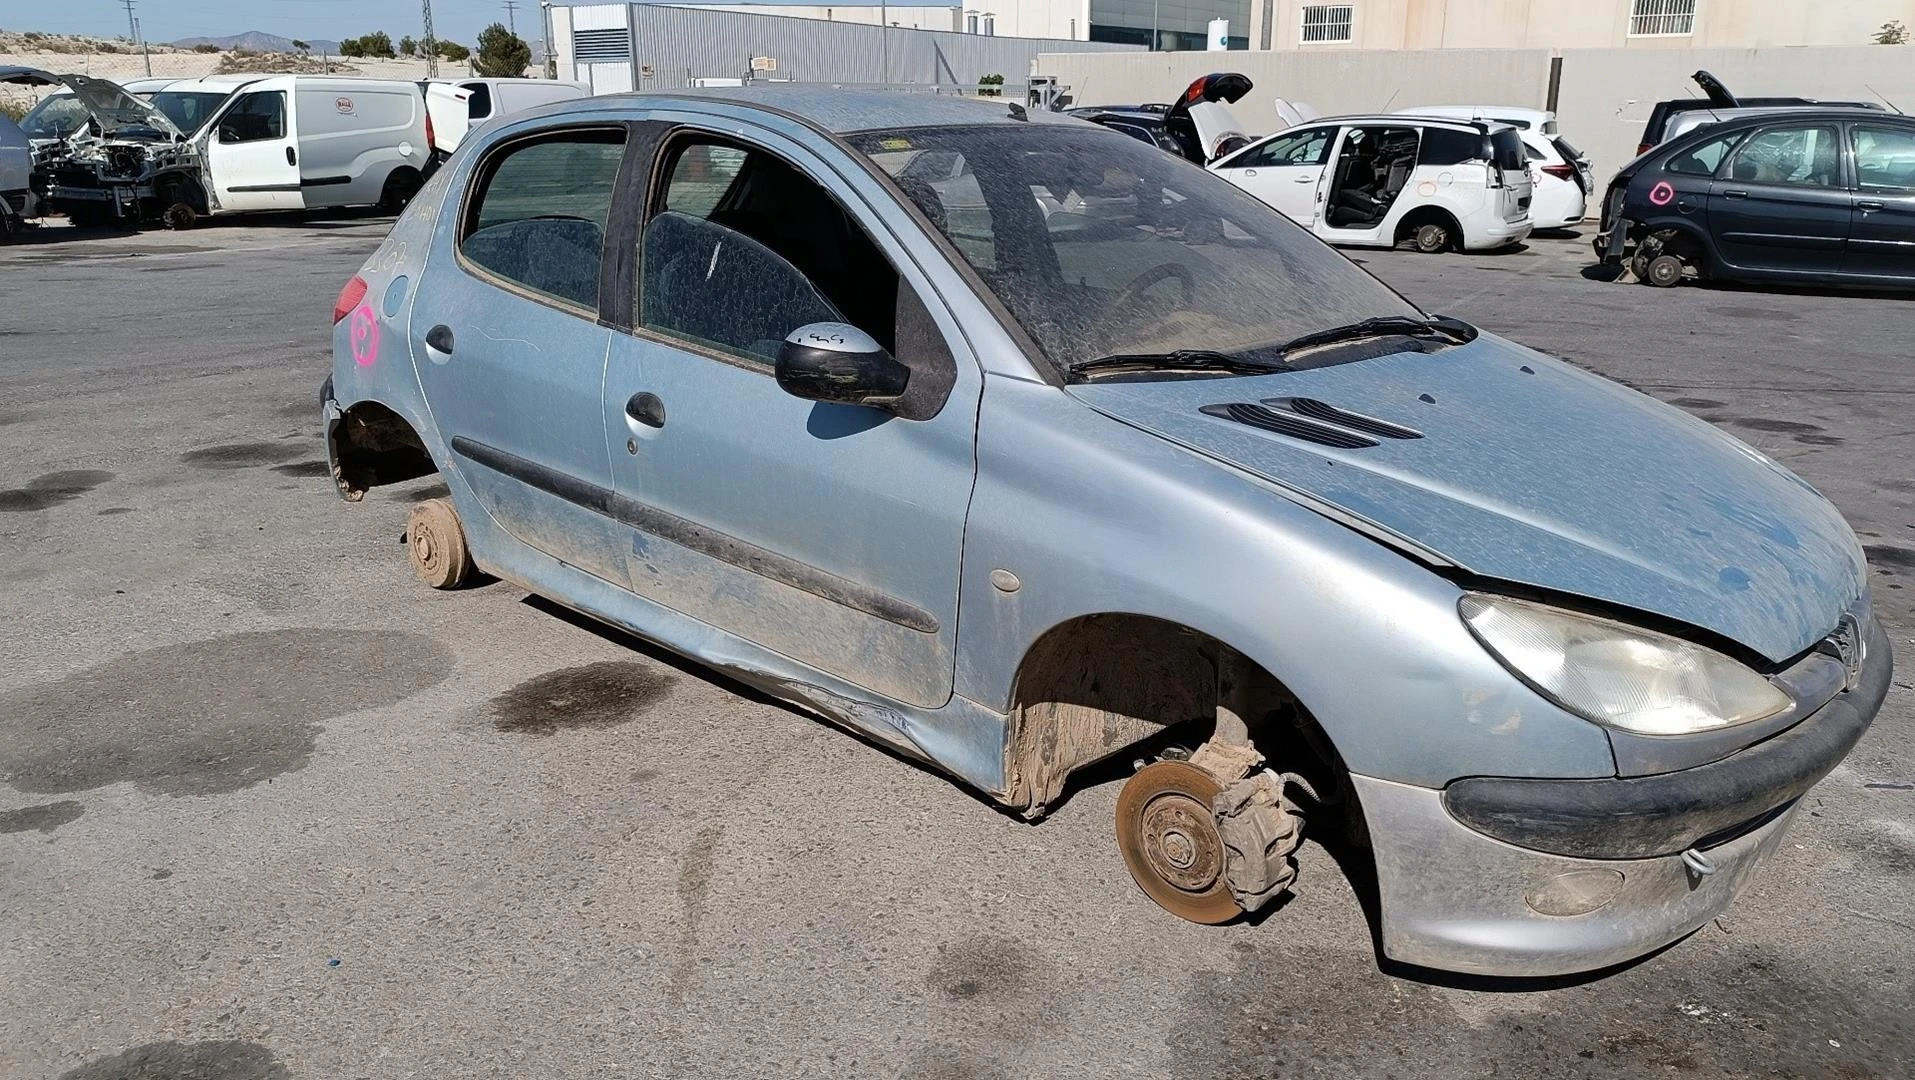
1098 244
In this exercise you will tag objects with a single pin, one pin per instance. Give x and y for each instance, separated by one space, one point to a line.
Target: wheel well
1428 215
1095 685
372 445
1684 244
182 187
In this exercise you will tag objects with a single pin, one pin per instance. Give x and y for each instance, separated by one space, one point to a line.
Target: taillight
1643 148
432 139
349 298
1561 172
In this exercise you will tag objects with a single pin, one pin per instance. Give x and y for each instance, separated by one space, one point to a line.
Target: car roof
1399 118
1482 112
821 105
1756 116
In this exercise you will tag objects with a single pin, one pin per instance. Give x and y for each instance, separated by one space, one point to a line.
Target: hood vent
1312 421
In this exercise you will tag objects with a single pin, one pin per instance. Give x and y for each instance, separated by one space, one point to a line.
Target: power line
431 47
133 27
511 16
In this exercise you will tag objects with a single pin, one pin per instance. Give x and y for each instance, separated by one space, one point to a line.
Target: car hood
119 113
1529 471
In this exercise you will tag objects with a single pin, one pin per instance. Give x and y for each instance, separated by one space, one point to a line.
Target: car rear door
832 534
506 339
253 153
1881 238
1285 171
1781 204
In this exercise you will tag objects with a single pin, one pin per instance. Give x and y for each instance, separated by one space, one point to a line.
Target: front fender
1095 516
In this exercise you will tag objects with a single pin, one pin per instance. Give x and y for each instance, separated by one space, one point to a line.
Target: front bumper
1633 863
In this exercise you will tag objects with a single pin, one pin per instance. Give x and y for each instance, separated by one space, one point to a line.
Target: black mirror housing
840 364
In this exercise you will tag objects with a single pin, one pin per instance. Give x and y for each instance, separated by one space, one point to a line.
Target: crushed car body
128 160
807 386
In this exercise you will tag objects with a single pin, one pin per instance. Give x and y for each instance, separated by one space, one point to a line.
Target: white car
456 106
1558 170
1381 181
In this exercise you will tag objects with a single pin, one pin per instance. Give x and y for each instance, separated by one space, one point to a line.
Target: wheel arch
1426 214
369 444
1096 684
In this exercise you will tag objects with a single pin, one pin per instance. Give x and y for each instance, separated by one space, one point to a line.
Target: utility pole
511 16
133 27
430 46
884 38
552 62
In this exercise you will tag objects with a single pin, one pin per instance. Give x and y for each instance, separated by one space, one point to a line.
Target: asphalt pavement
272 809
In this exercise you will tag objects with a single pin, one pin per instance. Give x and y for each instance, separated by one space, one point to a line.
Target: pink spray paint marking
1662 194
365 336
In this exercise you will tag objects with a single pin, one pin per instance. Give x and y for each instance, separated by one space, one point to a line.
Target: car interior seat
713 284
556 255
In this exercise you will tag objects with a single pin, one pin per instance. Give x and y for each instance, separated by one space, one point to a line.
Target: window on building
990 26
1329 22
970 24
1662 18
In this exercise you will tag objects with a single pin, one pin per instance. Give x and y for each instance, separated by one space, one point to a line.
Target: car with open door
1818 197
806 385
1382 181
1559 172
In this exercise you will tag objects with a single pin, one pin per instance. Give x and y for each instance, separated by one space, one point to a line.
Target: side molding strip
696 537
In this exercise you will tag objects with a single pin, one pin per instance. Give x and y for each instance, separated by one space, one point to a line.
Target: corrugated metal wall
677 44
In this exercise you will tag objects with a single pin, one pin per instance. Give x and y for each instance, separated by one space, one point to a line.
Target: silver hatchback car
1016 444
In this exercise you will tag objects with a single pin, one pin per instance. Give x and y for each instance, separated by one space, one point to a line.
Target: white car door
253 155
1284 170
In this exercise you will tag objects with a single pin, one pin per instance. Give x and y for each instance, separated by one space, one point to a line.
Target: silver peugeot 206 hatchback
1015 444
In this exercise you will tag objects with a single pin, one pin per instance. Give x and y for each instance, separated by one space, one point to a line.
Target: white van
455 107
1381 181
1559 171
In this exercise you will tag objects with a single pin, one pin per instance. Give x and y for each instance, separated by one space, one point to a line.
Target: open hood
27 76
117 112
1519 468
1203 112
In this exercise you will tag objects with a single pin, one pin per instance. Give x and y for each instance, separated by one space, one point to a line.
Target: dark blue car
1813 196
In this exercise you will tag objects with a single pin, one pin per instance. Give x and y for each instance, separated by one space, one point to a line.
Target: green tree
452 50
502 53
377 43
1892 33
351 47
407 46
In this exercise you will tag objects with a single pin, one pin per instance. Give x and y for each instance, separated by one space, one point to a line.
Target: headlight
1622 676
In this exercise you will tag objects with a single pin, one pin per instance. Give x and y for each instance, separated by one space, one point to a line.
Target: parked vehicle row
177 149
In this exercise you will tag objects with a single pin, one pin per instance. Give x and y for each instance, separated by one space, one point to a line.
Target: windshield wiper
1455 330
1176 360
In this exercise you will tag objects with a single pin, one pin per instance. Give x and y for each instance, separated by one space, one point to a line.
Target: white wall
1063 19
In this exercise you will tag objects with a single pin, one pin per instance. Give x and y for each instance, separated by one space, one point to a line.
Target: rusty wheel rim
1170 843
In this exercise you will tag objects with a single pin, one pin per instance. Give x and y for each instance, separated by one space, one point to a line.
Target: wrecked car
1809 196
16 172
101 154
1013 495
1198 127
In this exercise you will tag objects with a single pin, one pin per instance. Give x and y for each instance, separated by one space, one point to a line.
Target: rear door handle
439 339
292 157
646 408
1735 194
1250 172
1868 206
1305 180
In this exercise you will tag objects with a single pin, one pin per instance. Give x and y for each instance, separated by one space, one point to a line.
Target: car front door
253 156
1882 226
1285 171
1782 204
829 533
506 338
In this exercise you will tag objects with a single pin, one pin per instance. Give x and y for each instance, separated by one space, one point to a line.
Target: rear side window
1506 148
537 216
1705 158
1448 146
1884 158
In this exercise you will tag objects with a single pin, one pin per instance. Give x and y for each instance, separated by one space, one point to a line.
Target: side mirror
841 364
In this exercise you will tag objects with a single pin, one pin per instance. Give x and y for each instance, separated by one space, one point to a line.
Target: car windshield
1098 244
187 110
55 117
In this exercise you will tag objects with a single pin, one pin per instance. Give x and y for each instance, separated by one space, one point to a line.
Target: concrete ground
272 809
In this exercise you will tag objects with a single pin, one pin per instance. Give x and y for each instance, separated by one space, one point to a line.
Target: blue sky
169 20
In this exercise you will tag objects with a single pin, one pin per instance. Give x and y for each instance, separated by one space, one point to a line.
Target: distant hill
258 41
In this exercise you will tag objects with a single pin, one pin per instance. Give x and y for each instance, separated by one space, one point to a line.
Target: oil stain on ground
304 469
1696 403
43 818
50 490
223 1060
601 695
1779 427
1883 556
206 717
239 455
1748 1013
981 968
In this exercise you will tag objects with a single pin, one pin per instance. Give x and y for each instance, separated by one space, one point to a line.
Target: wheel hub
1168 834
1181 842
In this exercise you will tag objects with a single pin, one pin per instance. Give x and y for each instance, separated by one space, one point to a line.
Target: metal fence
656 47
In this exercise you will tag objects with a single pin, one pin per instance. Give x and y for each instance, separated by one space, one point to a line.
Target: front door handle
1250 172
292 157
439 339
646 408
1868 206
1735 194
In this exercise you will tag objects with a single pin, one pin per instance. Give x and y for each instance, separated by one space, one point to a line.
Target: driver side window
256 117
743 248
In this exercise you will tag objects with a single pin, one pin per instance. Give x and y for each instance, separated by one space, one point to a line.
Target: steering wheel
1133 293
